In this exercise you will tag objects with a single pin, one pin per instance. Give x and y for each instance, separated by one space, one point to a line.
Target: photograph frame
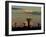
7 17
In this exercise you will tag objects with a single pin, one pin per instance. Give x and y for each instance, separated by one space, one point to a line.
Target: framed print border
7 17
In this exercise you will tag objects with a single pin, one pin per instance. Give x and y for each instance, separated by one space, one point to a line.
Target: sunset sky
32 8
19 16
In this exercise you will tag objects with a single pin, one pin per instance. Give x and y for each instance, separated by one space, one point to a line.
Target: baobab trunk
28 21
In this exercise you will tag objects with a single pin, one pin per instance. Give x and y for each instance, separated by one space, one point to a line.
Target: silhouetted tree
28 20
24 24
15 24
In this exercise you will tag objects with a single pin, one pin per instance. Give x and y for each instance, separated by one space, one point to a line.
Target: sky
32 8
18 14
